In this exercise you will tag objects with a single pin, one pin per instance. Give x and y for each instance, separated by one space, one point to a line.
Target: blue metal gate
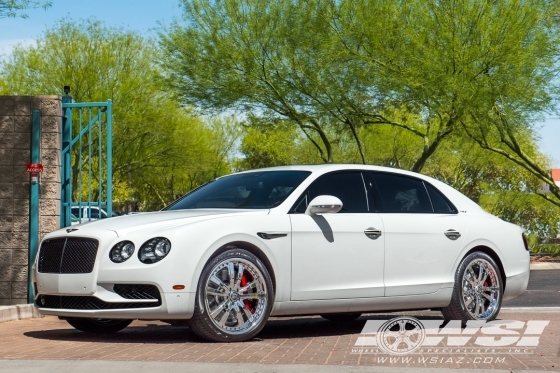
86 161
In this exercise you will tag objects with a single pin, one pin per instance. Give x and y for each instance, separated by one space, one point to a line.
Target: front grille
67 255
50 255
87 303
137 291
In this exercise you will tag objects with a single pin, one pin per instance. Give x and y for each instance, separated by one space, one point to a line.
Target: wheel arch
253 249
491 253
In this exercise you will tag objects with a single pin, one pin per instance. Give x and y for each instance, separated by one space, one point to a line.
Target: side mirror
324 205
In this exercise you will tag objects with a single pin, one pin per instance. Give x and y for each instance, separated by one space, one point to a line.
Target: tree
336 66
154 138
267 144
199 154
488 67
3 87
13 8
258 56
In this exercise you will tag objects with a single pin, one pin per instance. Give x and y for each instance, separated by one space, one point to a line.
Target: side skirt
440 298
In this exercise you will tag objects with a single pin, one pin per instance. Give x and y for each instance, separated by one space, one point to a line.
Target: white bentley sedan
333 240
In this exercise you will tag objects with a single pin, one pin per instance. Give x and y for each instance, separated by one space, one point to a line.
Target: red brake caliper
249 304
485 284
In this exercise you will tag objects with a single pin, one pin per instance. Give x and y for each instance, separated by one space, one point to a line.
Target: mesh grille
79 255
68 255
50 255
86 303
137 291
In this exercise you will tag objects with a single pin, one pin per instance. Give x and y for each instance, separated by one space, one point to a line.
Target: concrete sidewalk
544 266
95 366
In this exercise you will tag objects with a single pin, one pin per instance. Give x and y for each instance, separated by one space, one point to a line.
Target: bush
550 248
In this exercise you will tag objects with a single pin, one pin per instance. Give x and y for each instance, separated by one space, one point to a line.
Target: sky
139 15
145 16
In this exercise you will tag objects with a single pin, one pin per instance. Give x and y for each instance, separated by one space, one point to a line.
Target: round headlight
121 252
154 250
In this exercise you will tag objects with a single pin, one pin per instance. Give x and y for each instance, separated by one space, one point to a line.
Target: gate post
109 158
66 182
34 201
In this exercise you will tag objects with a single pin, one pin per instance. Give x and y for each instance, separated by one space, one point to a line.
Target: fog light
121 252
154 250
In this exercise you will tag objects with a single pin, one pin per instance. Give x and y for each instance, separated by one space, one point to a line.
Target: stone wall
15 142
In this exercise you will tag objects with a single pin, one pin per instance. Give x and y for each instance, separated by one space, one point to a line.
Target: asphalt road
543 291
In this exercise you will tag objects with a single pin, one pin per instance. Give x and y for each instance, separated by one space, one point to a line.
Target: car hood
125 224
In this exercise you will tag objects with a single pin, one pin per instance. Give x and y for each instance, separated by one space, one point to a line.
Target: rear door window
440 204
401 194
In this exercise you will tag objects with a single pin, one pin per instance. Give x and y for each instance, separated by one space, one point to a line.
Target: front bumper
95 295
108 304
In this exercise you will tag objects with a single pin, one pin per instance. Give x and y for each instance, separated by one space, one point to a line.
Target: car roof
324 168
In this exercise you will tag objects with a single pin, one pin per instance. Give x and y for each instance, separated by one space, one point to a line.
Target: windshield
252 190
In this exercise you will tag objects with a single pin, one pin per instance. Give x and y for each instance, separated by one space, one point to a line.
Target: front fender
223 241
198 242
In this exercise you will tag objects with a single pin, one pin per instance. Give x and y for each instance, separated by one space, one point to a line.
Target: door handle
372 233
452 234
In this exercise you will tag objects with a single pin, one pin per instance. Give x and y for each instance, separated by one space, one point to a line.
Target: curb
544 266
19 312
531 309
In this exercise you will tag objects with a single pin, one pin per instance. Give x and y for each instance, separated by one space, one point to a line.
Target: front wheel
234 298
98 326
478 290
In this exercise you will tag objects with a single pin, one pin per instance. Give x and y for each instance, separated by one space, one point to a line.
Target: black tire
98 326
458 309
219 300
341 317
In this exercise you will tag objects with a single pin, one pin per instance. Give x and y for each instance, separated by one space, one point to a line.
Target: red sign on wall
34 167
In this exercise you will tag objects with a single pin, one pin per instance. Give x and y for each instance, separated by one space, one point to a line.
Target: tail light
525 242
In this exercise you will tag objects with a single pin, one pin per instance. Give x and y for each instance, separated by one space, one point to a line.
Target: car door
423 234
332 257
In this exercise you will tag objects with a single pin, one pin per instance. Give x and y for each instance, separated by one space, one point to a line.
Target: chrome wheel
236 296
480 289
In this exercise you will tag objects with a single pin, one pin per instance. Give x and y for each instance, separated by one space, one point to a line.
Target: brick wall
15 142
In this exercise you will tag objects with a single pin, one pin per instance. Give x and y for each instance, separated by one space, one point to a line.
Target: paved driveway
302 340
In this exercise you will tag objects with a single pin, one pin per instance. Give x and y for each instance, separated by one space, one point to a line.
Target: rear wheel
478 290
341 317
234 298
98 326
